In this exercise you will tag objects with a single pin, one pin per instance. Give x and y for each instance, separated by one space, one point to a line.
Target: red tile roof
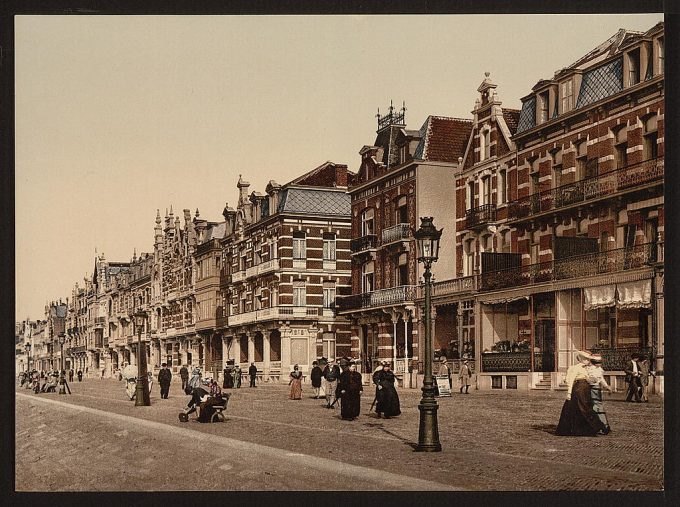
446 138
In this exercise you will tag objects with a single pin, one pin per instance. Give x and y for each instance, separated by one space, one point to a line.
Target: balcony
275 312
397 233
480 216
451 287
506 361
597 187
377 298
238 276
616 359
597 263
266 267
363 244
251 272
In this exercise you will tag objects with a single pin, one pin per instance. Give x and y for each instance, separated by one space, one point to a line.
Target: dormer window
567 96
659 55
543 107
403 154
634 67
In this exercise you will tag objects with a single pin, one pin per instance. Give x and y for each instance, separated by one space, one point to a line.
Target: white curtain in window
599 297
634 294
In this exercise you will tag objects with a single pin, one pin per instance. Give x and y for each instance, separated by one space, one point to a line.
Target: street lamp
142 388
62 386
427 238
28 355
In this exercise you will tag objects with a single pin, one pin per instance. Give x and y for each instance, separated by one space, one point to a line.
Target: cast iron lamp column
427 238
28 355
142 389
62 385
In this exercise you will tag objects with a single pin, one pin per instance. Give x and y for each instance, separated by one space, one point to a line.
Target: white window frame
567 95
329 248
299 293
368 222
329 294
366 275
299 246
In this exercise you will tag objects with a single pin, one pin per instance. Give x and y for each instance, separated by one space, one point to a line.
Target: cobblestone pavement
491 441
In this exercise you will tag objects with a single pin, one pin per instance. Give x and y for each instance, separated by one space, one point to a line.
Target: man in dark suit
633 378
184 375
252 371
164 378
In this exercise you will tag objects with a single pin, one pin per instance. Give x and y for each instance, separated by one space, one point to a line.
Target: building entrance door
544 339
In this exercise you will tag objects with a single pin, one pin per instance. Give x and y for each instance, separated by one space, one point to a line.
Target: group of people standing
637 375
464 374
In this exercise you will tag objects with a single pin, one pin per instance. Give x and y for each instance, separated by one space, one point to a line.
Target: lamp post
427 238
28 355
142 388
62 386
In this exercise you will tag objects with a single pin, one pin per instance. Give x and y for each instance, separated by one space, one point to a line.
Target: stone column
384 342
285 353
236 348
251 347
355 345
266 354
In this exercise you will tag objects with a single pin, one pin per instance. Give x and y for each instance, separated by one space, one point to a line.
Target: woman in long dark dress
387 397
578 418
350 387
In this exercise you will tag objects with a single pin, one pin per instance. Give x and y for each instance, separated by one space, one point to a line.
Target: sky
118 116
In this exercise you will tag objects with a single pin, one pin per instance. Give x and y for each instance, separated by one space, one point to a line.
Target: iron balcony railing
378 298
587 189
480 215
363 243
506 361
616 359
450 287
609 261
395 233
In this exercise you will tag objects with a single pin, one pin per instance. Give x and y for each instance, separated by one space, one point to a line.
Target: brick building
567 253
268 275
399 180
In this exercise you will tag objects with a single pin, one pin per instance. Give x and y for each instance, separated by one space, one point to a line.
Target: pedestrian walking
331 373
80 375
149 381
464 376
645 372
578 417
252 371
386 395
350 387
295 383
597 383
316 374
184 375
445 370
164 379
228 372
633 378
70 375
103 369
237 376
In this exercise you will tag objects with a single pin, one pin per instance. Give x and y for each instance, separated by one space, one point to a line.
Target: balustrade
377 298
480 215
363 243
398 232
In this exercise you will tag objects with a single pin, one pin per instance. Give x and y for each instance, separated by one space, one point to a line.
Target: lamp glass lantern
427 237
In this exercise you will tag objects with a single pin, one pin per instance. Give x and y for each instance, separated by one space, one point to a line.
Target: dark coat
316 375
183 372
349 390
164 377
387 397
331 373
252 371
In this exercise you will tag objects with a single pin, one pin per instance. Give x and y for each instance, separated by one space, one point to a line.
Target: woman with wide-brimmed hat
578 417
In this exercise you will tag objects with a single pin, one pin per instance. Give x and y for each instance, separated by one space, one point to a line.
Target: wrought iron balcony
506 361
481 215
609 261
399 232
616 359
449 287
599 186
364 243
378 298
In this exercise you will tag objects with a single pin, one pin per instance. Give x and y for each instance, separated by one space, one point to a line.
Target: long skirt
578 417
296 389
598 407
388 401
351 404
228 381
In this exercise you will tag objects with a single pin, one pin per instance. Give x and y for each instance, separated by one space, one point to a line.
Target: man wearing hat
331 374
164 378
633 378
464 376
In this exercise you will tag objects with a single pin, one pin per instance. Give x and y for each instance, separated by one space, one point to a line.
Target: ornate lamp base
428 432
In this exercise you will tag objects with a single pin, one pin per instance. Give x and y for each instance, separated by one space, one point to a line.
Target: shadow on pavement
547 428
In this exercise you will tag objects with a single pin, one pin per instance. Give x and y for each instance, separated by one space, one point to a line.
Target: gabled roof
314 201
443 139
511 117
217 231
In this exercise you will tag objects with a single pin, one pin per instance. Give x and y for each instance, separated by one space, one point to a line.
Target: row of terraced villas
553 234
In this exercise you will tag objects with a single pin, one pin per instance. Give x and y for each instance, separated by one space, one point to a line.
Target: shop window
496 382
511 382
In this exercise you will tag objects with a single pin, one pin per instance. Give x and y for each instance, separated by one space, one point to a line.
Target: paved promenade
97 440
